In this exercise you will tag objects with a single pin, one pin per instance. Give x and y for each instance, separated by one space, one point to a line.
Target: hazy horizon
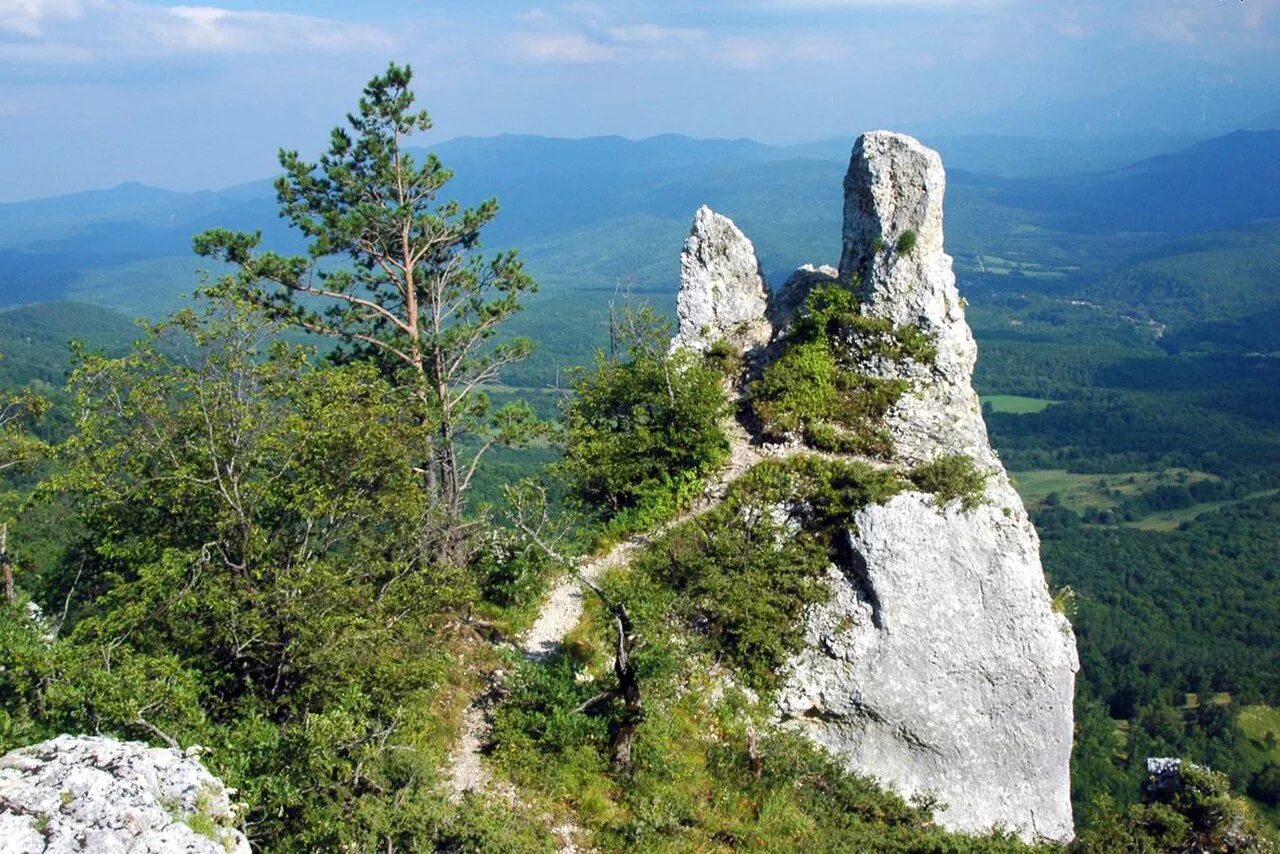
97 92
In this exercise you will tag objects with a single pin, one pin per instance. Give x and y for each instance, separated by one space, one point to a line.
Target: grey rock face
1164 776
77 794
723 295
938 665
895 187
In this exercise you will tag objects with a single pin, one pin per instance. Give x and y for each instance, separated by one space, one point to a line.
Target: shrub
643 430
745 580
815 389
257 583
907 242
725 357
742 578
950 478
1198 814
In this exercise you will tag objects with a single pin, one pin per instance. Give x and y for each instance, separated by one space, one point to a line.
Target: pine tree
396 276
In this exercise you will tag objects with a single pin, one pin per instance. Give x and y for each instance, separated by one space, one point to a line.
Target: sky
96 92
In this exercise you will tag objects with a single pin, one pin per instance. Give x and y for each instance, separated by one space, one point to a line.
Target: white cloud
745 53
548 48
87 30
586 9
212 29
1073 29
653 34
28 17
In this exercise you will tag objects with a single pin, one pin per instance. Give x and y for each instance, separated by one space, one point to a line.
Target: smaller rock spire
723 295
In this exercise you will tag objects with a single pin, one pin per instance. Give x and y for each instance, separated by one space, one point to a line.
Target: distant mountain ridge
588 213
1223 182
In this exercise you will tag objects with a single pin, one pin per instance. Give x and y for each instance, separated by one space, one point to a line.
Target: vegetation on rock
950 478
816 388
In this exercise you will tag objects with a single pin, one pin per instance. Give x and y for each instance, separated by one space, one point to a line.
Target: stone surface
894 186
938 665
1164 776
723 295
95 794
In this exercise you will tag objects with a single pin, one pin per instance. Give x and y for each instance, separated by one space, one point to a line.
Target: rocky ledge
80 793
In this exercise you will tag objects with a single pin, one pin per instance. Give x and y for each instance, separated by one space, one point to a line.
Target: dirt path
562 610
563 607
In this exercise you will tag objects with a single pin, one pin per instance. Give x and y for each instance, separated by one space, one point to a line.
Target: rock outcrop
938 664
76 794
723 296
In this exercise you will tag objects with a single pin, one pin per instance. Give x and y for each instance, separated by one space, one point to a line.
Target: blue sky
94 92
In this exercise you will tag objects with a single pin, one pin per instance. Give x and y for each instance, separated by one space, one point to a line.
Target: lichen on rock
90 793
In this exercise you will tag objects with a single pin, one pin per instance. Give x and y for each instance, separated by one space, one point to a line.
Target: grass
1120 741
1014 404
996 265
1075 491
1193 701
1260 726
1259 722
1170 520
1080 492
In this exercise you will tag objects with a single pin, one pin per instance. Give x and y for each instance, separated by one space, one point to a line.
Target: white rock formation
895 187
938 665
94 794
723 295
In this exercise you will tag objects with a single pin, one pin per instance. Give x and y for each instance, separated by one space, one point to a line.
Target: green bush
815 388
745 578
907 242
951 478
643 430
1198 814
252 582
725 357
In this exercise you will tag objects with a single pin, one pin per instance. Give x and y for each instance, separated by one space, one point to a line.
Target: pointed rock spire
938 665
723 295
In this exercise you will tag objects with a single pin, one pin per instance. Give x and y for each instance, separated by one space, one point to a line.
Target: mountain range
596 214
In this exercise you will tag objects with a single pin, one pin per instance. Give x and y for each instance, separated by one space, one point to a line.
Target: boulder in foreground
89 793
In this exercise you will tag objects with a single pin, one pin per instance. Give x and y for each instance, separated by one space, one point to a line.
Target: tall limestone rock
722 295
938 665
